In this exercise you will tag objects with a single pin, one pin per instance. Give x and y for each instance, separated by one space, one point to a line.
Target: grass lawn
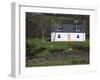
65 60
47 44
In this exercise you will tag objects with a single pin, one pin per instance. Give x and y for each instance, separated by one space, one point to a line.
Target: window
77 29
59 36
59 28
78 36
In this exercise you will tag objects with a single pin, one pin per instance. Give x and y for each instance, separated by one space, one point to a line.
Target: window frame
78 36
59 28
77 29
59 35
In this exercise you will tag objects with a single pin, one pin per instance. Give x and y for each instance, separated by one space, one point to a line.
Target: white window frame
78 36
77 30
18 41
58 28
59 35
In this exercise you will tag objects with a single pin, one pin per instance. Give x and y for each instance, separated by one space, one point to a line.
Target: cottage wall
58 36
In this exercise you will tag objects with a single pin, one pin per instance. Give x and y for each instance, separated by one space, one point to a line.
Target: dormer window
59 28
77 29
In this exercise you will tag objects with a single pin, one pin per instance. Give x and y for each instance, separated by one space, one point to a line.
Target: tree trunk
42 31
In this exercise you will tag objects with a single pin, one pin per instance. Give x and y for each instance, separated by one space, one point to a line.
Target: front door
68 36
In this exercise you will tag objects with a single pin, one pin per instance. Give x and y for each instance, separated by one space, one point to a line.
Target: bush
32 50
57 50
29 45
39 50
29 50
48 39
84 46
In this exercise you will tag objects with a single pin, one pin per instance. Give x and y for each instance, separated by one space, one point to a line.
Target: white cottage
68 32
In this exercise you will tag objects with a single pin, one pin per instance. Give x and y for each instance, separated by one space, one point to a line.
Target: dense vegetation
56 53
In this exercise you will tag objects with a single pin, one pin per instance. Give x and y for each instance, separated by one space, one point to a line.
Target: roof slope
68 28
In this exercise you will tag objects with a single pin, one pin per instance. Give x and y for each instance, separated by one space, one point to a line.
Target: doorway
68 35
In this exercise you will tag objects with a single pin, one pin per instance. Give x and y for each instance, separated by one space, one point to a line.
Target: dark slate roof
67 28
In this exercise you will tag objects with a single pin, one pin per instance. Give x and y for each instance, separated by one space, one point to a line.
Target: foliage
81 61
38 25
84 46
64 61
32 50
56 53
58 50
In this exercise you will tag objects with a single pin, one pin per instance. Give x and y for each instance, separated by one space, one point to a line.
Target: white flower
70 49
51 46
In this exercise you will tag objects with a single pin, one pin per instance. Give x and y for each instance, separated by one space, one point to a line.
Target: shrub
39 50
29 50
84 46
32 50
48 39
29 45
57 52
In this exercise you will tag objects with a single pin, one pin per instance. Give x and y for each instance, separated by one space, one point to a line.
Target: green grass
47 44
